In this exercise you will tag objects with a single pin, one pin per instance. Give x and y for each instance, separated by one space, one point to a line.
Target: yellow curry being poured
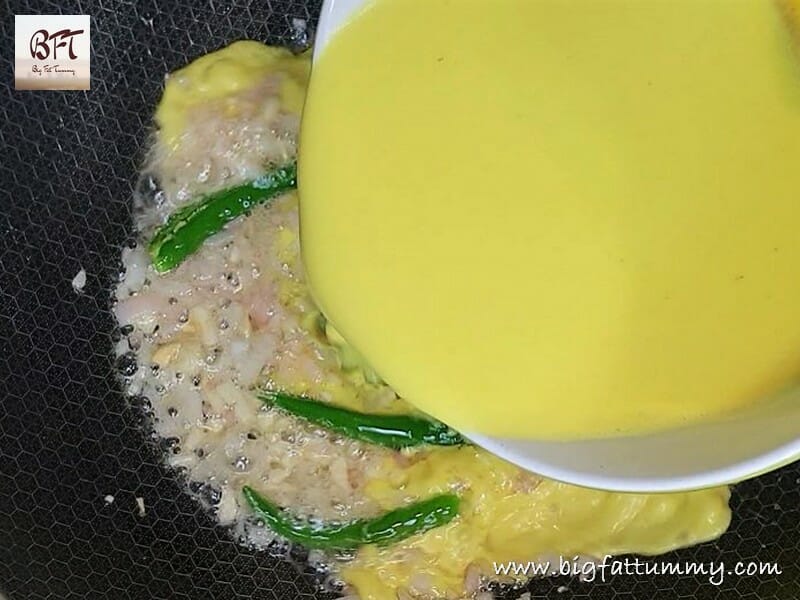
506 514
556 219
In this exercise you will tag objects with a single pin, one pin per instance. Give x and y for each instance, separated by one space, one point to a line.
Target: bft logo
44 43
52 52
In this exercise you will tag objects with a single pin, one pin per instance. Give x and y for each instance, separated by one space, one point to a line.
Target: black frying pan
69 436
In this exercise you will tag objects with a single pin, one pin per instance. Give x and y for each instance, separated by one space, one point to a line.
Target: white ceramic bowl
726 451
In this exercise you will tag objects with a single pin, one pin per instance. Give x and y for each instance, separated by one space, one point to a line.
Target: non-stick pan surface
68 435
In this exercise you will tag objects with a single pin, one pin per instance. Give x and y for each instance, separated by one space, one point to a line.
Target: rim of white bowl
760 464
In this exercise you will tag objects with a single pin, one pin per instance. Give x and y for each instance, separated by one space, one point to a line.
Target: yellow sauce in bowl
560 220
